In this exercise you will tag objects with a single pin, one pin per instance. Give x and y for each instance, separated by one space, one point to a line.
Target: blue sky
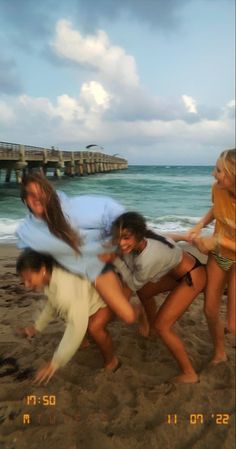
152 80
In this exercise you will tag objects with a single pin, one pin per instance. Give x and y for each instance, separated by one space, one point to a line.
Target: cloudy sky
152 80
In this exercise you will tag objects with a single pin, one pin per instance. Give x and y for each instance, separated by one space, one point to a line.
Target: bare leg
216 279
231 310
143 322
172 309
97 329
109 287
146 295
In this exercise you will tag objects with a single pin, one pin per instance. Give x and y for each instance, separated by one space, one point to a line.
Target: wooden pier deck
24 158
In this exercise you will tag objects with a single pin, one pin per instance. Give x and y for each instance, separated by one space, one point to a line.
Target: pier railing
24 158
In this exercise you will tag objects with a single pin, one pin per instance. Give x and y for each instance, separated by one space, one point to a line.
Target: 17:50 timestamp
46 400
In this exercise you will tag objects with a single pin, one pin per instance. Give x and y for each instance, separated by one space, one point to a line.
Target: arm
74 333
44 318
71 340
195 230
133 282
134 279
177 237
206 244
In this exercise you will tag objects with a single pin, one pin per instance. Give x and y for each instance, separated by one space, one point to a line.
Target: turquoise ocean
172 198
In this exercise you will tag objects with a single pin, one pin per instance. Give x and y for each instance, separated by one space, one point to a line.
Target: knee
160 328
94 327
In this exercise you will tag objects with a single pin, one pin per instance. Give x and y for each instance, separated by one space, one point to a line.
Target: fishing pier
21 159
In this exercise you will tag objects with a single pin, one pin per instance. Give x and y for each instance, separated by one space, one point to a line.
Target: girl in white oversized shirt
76 300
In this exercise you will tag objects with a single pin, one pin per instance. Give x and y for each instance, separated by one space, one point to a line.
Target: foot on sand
185 379
114 365
219 359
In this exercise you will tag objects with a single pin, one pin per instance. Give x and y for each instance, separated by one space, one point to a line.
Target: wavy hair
53 214
228 158
136 224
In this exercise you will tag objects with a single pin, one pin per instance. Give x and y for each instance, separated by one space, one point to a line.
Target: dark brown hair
136 224
53 214
31 260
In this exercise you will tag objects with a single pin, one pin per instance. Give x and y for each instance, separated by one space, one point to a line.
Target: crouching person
75 299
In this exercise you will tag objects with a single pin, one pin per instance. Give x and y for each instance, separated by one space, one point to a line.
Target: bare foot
143 324
27 332
114 365
185 379
219 359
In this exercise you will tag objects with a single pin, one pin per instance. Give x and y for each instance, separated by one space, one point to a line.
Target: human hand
28 331
107 257
194 232
45 373
206 244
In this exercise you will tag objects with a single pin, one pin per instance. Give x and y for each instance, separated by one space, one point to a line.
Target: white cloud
114 110
231 104
190 104
35 105
67 123
68 108
97 53
94 94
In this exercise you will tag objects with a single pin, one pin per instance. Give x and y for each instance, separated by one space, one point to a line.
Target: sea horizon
171 197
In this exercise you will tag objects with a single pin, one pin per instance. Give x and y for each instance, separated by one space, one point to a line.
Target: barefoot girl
75 300
150 264
221 247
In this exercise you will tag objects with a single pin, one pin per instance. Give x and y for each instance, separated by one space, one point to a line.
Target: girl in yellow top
221 266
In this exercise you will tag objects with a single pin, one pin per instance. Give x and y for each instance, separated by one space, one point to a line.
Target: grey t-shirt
156 260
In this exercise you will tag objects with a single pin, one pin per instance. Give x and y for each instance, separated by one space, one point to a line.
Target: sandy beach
84 407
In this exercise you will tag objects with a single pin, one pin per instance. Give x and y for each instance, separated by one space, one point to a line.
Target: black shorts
187 276
107 267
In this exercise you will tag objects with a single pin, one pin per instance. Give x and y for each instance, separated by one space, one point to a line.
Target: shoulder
160 251
154 244
60 276
153 247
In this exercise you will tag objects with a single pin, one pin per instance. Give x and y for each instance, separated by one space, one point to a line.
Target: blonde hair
228 159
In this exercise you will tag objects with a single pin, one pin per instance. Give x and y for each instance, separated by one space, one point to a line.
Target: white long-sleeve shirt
75 300
156 260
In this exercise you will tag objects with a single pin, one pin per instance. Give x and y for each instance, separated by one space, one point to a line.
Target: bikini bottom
187 277
224 262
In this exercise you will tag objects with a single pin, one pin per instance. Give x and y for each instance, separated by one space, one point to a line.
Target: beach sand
133 408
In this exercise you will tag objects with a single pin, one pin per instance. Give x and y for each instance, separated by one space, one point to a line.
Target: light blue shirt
91 216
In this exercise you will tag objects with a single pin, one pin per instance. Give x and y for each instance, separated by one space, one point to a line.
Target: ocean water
172 198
